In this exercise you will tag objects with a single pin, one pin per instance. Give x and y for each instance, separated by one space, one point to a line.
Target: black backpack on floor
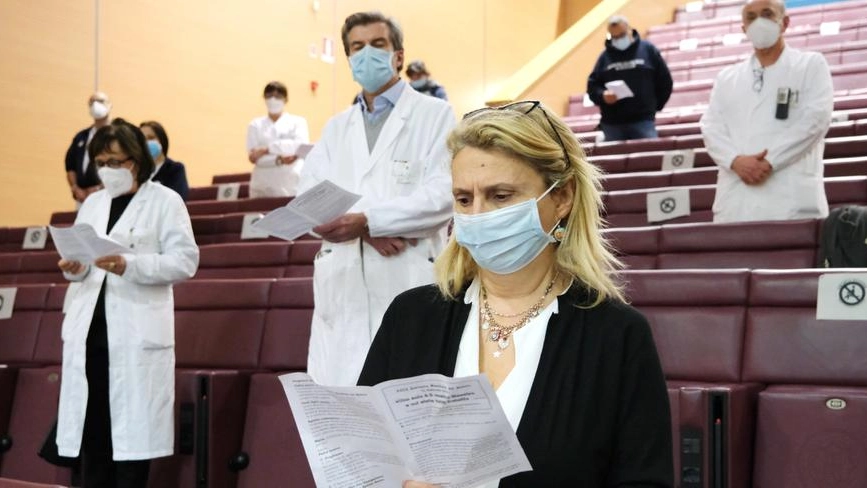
844 238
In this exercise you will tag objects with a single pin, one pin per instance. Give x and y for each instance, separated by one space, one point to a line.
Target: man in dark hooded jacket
628 64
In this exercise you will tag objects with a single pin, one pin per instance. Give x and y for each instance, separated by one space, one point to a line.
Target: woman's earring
559 232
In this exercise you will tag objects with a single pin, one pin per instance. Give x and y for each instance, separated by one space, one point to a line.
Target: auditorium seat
233 206
34 410
49 346
287 325
697 319
636 247
231 178
805 435
634 181
8 376
755 245
243 260
12 238
301 256
211 192
18 333
40 267
218 335
217 229
271 445
628 208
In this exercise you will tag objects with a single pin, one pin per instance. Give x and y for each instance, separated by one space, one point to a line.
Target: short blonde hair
529 132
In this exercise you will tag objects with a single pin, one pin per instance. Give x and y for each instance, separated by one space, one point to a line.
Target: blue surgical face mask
155 148
371 67
419 83
622 43
505 240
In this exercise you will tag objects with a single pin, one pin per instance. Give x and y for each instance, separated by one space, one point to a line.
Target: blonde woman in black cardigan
525 295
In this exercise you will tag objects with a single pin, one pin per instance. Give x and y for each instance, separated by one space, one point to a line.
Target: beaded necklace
502 334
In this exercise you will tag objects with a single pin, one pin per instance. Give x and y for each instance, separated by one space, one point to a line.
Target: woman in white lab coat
117 390
272 144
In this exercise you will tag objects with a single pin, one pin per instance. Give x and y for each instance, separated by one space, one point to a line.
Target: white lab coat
740 121
140 324
405 183
282 138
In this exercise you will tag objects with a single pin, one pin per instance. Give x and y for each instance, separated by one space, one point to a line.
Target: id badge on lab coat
402 171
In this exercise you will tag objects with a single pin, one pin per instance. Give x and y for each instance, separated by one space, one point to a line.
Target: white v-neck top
527 341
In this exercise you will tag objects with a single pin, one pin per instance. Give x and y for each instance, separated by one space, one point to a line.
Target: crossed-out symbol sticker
852 293
667 205
34 237
677 160
227 192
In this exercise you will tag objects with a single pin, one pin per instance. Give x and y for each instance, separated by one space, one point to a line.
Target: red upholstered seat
637 247
786 344
231 178
778 244
697 318
18 334
271 440
287 326
811 437
34 410
244 260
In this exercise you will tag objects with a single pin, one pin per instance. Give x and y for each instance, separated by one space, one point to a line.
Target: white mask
622 43
116 181
98 110
275 105
764 33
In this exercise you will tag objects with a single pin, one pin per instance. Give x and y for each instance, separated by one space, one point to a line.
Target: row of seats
802 23
693 95
762 393
783 244
628 208
701 68
737 348
717 13
849 123
704 174
205 207
835 147
275 259
224 329
756 245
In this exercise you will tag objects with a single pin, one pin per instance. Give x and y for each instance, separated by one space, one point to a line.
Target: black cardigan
597 414
172 174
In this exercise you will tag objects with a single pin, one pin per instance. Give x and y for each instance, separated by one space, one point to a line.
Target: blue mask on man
504 240
371 67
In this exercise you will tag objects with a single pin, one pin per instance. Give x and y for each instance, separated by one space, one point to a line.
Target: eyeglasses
111 163
758 79
525 107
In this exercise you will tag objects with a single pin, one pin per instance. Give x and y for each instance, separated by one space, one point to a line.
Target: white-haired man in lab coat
766 124
390 147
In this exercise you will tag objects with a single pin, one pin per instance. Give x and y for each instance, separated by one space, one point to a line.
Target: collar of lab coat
127 220
392 128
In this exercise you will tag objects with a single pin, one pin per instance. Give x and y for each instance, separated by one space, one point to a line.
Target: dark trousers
644 129
98 470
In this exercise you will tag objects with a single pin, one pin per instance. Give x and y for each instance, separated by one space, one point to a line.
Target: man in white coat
766 124
390 147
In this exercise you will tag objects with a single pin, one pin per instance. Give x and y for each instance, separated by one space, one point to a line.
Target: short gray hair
618 19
